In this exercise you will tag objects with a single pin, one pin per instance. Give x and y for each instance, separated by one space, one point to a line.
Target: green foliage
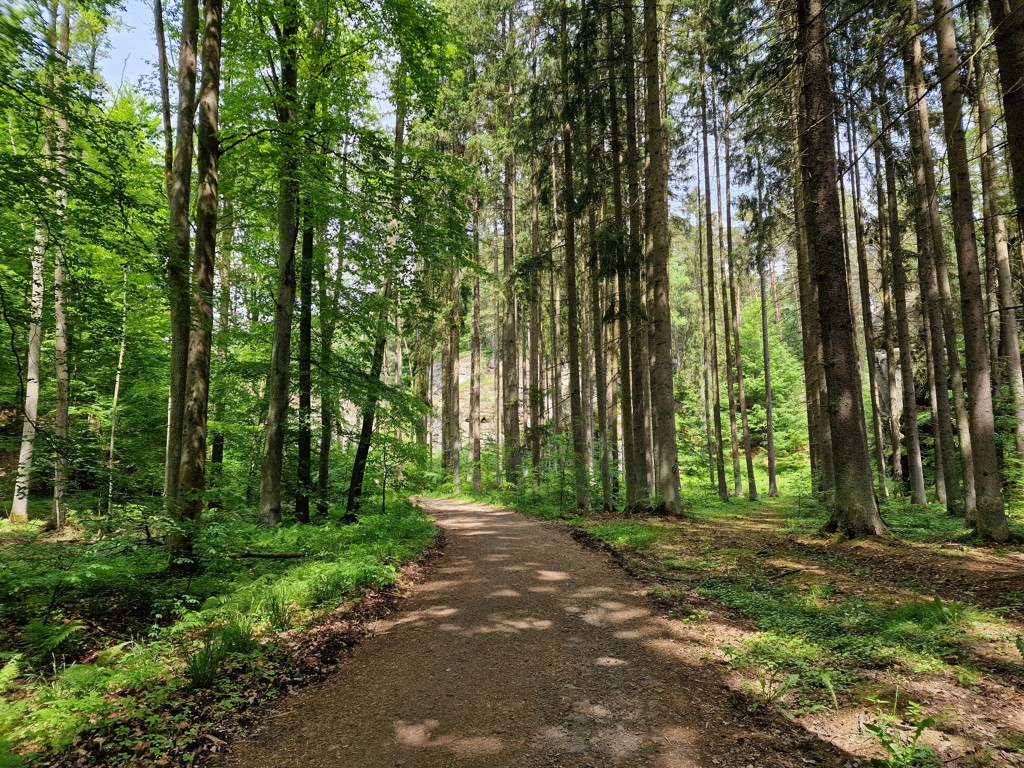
202 665
903 750
192 632
41 641
627 534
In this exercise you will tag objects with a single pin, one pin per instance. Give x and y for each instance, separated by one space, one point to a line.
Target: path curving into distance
524 649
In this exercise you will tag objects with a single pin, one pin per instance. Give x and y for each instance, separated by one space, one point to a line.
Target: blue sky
132 47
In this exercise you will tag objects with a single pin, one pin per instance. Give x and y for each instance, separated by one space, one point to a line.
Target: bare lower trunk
178 255
509 331
991 518
936 284
1008 35
666 475
639 363
116 397
888 333
865 308
854 512
734 306
576 421
621 269
474 356
773 488
996 243
61 417
22 482
192 473
304 465
899 290
730 383
716 405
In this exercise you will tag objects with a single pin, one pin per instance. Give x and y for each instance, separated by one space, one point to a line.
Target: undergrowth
98 639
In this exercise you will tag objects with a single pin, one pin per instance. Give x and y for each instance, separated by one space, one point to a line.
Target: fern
41 640
8 672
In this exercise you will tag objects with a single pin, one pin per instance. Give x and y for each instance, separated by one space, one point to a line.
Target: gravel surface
524 649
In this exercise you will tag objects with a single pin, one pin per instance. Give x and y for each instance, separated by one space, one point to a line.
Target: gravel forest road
523 648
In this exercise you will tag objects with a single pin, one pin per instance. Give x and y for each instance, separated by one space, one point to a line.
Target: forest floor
729 639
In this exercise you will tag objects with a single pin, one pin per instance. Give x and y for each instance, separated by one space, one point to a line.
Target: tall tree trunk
23 479
853 512
115 399
991 518
773 488
474 355
865 308
621 269
888 334
819 439
730 382
1008 35
996 243
61 418
451 397
178 248
223 340
304 466
576 421
933 276
272 467
734 305
899 290
597 323
666 458
192 473
509 330
536 301
328 311
639 363
716 403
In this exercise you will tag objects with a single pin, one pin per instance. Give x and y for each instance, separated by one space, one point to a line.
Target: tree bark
474 355
990 521
576 421
854 512
996 244
509 329
734 305
865 308
666 458
304 465
178 248
716 403
933 275
536 398
63 381
730 382
639 363
899 290
1008 35
272 467
23 479
621 270
192 473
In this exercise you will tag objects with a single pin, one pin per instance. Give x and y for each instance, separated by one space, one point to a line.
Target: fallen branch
270 555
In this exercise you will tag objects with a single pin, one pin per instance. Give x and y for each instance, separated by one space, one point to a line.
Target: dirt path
525 649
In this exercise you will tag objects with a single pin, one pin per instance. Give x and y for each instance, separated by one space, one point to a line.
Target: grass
119 649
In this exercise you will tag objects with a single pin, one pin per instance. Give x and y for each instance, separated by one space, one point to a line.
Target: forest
725 288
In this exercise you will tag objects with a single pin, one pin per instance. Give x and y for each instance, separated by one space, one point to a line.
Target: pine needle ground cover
892 650
109 659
